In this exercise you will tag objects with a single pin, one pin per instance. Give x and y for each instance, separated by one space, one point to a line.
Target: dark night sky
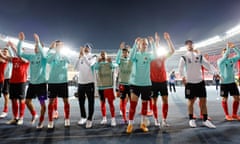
107 22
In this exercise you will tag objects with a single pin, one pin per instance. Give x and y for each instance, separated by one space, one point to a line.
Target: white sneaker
89 124
192 123
34 119
157 123
3 115
12 121
40 126
113 122
82 121
208 124
50 125
164 123
67 123
20 121
104 121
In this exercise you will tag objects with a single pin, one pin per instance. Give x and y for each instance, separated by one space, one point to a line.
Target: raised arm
170 44
237 57
134 50
51 54
225 55
39 45
153 47
119 54
21 38
237 51
10 45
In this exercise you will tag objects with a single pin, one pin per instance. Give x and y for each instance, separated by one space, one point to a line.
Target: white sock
130 121
104 118
143 118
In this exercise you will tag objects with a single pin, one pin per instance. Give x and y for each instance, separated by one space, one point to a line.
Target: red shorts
106 93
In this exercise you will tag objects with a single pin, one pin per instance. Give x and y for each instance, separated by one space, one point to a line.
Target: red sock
111 106
5 109
33 112
50 112
22 108
15 108
41 119
103 108
55 105
155 111
225 107
66 110
235 107
133 106
151 105
164 111
144 108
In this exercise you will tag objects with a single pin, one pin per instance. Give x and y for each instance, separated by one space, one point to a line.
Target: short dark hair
125 49
188 41
88 45
58 41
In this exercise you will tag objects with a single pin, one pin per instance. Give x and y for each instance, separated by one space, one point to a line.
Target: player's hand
150 39
166 36
122 45
10 44
157 37
137 40
21 36
230 45
36 37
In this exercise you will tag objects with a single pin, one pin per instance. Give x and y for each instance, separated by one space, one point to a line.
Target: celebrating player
58 81
159 80
104 75
228 86
17 86
86 84
140 80
194 83
125 68
37 86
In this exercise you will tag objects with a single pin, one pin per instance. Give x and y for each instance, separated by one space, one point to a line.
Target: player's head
143 44
87 48
59 45
36 49
125 52
103 55
189 45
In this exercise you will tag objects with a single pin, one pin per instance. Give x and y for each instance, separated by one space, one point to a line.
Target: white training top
193 63
83 66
